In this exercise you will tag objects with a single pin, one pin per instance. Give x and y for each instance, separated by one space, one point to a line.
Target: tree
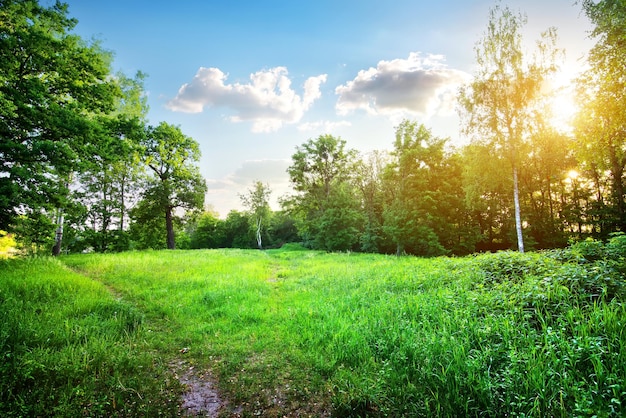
497 105
601 123
369 182
51 82
545 170
237 233
282 229
209 231
486 195
325 206
420 213
338 226
109 182
257 203
176 181
146 228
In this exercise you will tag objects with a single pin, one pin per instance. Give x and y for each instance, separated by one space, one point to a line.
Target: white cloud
268 101
418 85
223 194
267 171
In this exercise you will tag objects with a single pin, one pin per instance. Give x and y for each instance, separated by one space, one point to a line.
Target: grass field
301 333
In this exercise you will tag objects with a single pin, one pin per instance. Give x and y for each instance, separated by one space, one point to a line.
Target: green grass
300 333
69 348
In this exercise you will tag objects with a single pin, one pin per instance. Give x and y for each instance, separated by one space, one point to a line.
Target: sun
563 108
561 100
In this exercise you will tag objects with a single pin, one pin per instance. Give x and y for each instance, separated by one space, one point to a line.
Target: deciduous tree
256 200
326 207
416 194
51 83
497 105
176 182
109 182
601 122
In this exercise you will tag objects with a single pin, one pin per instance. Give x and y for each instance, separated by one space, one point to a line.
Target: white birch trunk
58 238
258 233
518 215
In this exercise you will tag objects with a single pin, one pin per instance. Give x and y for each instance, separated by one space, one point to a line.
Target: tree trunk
399 249
618 192
122 203
169 225
518 215
258 233
58 239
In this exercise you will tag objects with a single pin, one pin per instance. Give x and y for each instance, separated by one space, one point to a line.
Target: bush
511 266
593 270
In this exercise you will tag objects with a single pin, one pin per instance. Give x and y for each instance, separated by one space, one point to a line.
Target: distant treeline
81 170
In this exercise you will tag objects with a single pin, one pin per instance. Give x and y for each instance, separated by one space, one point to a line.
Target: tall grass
69 348
297 333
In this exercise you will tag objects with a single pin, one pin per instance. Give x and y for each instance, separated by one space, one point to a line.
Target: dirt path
201 398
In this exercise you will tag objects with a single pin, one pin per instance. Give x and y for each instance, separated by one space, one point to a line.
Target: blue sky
251 80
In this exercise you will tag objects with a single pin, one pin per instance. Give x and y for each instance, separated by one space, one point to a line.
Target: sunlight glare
573 174
561 100
571 177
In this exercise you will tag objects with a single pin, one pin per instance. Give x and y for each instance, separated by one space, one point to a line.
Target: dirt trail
201 399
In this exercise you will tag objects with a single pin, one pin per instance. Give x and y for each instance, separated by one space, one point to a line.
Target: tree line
82 170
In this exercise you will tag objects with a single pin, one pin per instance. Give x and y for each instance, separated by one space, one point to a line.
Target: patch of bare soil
201 398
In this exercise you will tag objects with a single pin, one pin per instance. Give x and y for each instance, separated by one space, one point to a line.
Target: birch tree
257 203
497 105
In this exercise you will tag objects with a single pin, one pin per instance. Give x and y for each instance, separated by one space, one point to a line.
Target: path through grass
300 333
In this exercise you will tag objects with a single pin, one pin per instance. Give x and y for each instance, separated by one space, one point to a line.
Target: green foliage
209 232
256 202
595 270
110 180
282 229
506 266
336 227
499 106
600 121
424 208
589 271
46 102
326 210
234 232
34 233
370 185
548 164
147 226
237 233
176 182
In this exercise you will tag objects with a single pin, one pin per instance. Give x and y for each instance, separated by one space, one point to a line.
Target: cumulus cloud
419 85
267 171
268 101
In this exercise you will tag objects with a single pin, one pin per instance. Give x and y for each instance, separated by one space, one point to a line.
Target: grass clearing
69 348
300 333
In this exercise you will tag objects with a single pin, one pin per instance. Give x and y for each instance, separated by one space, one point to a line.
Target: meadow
291 332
